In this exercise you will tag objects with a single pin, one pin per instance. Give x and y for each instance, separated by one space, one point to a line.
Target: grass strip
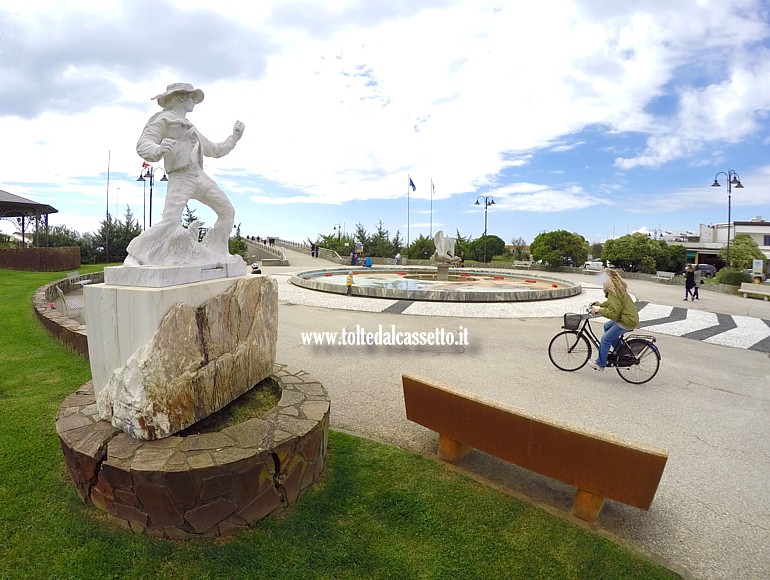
380 511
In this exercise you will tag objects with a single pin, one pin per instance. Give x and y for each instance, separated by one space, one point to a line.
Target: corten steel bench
762 290
599 466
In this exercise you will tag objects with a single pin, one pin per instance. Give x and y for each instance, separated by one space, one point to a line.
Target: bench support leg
451 450
587 505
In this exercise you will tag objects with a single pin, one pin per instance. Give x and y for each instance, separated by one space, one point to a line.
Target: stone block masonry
211 484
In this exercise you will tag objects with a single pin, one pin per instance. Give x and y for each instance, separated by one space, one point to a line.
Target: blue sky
598 117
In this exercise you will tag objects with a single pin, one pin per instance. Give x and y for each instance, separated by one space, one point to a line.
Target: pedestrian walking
689 283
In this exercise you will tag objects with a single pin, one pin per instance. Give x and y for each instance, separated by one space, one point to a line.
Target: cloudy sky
601 117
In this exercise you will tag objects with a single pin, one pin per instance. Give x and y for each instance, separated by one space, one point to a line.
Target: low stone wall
212 484
41 259
67 331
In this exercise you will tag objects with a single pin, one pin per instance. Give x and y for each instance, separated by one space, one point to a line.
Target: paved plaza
709 404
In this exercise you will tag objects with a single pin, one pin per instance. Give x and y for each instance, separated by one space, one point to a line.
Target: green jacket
621 310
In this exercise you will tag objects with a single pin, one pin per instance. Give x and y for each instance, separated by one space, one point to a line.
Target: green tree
421 249
743 251
343 245
397 242
361 235
492 245
188 217
380 244
236 244
125 231
626 252
61 236
553 248
596 250
105 239
519 244
673 258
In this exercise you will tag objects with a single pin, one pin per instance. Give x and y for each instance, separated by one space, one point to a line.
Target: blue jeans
612 333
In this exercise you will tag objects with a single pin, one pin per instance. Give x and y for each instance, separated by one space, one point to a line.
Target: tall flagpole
408 182
431 208
107 214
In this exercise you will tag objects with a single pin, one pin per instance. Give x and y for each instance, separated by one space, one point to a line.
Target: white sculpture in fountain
445 249
170 136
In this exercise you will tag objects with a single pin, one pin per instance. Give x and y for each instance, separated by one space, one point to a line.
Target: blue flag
411 184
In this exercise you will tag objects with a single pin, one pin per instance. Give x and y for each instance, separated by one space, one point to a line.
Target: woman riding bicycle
621 311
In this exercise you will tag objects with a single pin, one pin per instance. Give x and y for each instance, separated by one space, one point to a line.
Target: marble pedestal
121 319
442 272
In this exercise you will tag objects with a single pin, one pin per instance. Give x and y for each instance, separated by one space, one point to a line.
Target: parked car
596 265
707 270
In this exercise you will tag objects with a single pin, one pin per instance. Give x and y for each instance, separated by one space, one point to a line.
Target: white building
713 238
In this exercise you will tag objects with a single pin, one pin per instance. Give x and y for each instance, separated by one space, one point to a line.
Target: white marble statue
445 249
170 136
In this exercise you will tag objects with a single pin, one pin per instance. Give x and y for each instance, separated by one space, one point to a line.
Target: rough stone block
262 506
216 486
198 361
156 502
209 515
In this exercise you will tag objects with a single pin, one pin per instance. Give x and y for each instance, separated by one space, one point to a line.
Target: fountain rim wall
305 279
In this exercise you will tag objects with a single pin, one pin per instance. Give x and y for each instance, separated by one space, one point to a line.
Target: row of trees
380 244
633 252
110 241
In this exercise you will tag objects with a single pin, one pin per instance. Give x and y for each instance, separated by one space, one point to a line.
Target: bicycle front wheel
643 361
569 350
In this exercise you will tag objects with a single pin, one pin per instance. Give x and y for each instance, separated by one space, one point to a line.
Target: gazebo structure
24 213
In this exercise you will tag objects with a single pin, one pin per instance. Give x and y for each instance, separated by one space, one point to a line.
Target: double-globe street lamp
148 172
733 179
488 200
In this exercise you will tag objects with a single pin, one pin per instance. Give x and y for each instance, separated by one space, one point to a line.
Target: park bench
522 264
599 466
70 304
74 278
755 289
661 275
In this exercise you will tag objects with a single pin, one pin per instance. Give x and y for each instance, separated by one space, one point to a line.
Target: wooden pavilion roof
14 206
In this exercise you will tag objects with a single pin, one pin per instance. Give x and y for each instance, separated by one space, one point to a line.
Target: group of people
692 279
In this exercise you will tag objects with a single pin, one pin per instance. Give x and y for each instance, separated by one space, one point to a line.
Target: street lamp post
148 171
338 229
488 200
733 179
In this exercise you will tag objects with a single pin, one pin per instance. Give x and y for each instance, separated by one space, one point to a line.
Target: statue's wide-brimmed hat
175 88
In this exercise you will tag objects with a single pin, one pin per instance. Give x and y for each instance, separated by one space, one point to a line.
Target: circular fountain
423 283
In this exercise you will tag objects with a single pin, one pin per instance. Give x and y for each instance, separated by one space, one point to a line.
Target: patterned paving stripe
762 345
654 314
748 332
725 323
398 307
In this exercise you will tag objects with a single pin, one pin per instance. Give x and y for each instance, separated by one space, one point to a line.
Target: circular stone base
212 484
421 283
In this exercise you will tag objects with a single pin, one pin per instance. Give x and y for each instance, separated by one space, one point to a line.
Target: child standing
349 282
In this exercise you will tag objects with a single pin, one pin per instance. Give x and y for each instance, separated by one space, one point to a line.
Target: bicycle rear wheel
569 350
638 361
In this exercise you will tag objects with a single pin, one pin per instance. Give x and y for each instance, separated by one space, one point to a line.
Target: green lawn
380 512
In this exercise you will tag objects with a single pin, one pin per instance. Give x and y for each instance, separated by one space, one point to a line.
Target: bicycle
636 357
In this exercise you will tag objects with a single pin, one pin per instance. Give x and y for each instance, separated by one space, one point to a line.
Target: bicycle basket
572 321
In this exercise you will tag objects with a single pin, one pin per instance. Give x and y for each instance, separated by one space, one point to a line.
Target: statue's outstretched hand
167 145
238 129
